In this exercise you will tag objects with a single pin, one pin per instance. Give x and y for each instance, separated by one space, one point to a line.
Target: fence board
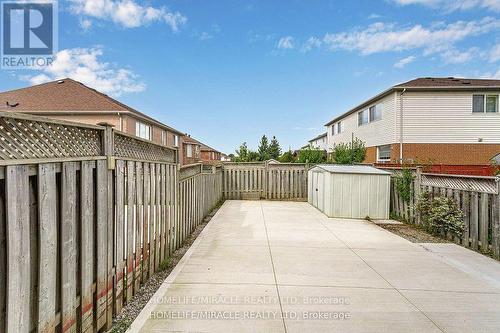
152 220
146 226
18 249
68 247
474 220
102 243
120 234
483 222
87 246
47 216
139 185
130 197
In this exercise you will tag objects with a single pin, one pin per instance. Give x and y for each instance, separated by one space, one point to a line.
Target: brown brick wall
437 153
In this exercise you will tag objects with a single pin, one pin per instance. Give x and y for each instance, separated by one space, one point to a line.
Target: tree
263 149
242 153
287 157
311 155
274 149
349 153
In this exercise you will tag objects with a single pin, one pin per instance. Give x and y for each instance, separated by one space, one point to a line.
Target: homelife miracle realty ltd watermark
29 34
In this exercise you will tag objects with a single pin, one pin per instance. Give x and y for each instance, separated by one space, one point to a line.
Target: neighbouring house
196 152
225 158
209 154
68 99
191 150
433 121
319 142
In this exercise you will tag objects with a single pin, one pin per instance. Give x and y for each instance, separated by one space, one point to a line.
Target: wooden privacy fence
87 215
261 180
477 197
200 189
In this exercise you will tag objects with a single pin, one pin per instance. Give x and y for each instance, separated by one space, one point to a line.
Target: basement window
384 153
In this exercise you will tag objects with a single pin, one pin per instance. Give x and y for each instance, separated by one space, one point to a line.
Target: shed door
320 191
315 188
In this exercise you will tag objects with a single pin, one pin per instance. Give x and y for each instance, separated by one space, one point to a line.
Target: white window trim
378 155
164 137
176 140
368 118
147 127
485 95
189 150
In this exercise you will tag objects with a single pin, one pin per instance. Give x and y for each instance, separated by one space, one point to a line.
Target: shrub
311 155
349 153
440 214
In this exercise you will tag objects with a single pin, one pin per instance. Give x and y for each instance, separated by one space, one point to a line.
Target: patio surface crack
272 264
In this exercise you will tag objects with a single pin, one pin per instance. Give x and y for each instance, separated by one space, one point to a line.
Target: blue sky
228 71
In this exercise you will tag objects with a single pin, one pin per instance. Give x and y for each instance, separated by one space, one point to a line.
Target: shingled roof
66 95
428 83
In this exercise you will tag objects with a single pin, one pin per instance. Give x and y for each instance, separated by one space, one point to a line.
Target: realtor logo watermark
29 34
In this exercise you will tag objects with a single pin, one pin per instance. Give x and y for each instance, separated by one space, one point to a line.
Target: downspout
401 127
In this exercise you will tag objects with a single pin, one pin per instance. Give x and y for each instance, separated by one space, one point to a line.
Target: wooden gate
261 180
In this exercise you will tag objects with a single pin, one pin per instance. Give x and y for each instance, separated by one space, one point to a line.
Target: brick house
433 121
71 100
210 155
196 151
191 150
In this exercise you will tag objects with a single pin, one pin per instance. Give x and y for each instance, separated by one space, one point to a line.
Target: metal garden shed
350 191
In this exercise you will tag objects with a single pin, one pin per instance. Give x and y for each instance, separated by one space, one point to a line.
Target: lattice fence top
26 138
486 185
189 171
129 147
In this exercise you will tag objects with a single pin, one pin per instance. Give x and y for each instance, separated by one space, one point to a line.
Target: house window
484 103
384 153
340 127
334 129
363 118
492 103
189 151
197 151
376 112
143 130
164 138
176 140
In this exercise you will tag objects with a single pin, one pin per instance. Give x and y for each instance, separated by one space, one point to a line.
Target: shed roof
356 169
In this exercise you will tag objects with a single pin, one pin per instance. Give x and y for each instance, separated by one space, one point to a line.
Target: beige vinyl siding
377 133
445 117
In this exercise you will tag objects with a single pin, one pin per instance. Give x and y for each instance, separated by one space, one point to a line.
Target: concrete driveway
263 266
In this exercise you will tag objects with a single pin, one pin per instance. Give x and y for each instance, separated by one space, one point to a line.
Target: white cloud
405 61
453 56
286 43
85 24
453 5
381 37
84 65
312 43
495 76
127 13
495 53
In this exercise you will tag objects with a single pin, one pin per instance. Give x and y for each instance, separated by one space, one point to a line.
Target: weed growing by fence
440 215
403 184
